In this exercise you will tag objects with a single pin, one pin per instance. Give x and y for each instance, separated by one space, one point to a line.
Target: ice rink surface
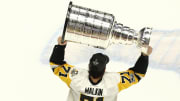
29 29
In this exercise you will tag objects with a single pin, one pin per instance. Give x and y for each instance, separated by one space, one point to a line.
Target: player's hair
97 65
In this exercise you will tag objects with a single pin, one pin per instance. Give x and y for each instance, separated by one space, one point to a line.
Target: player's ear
107 58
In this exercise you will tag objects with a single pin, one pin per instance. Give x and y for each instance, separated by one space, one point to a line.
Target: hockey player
95 84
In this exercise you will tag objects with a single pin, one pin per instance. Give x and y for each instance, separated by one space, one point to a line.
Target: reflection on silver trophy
99 29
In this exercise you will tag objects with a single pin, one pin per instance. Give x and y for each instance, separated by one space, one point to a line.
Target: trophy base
144 42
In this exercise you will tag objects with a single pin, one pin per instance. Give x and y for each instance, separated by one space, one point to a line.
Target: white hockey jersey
81 89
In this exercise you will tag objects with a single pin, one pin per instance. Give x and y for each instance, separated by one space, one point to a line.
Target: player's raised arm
142 62
134 74
57 63
57 56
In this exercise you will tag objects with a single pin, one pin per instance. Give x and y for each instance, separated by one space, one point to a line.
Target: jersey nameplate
94 91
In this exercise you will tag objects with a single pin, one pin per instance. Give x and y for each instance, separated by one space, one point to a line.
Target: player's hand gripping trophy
99 29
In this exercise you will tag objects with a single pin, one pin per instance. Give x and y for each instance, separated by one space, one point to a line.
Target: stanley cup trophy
99 29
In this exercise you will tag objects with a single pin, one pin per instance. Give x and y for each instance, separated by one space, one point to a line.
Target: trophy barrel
123 35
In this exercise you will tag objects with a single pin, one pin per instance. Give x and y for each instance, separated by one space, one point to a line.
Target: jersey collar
93 82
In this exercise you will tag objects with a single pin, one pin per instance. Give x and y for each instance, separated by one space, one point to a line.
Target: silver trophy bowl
99 29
